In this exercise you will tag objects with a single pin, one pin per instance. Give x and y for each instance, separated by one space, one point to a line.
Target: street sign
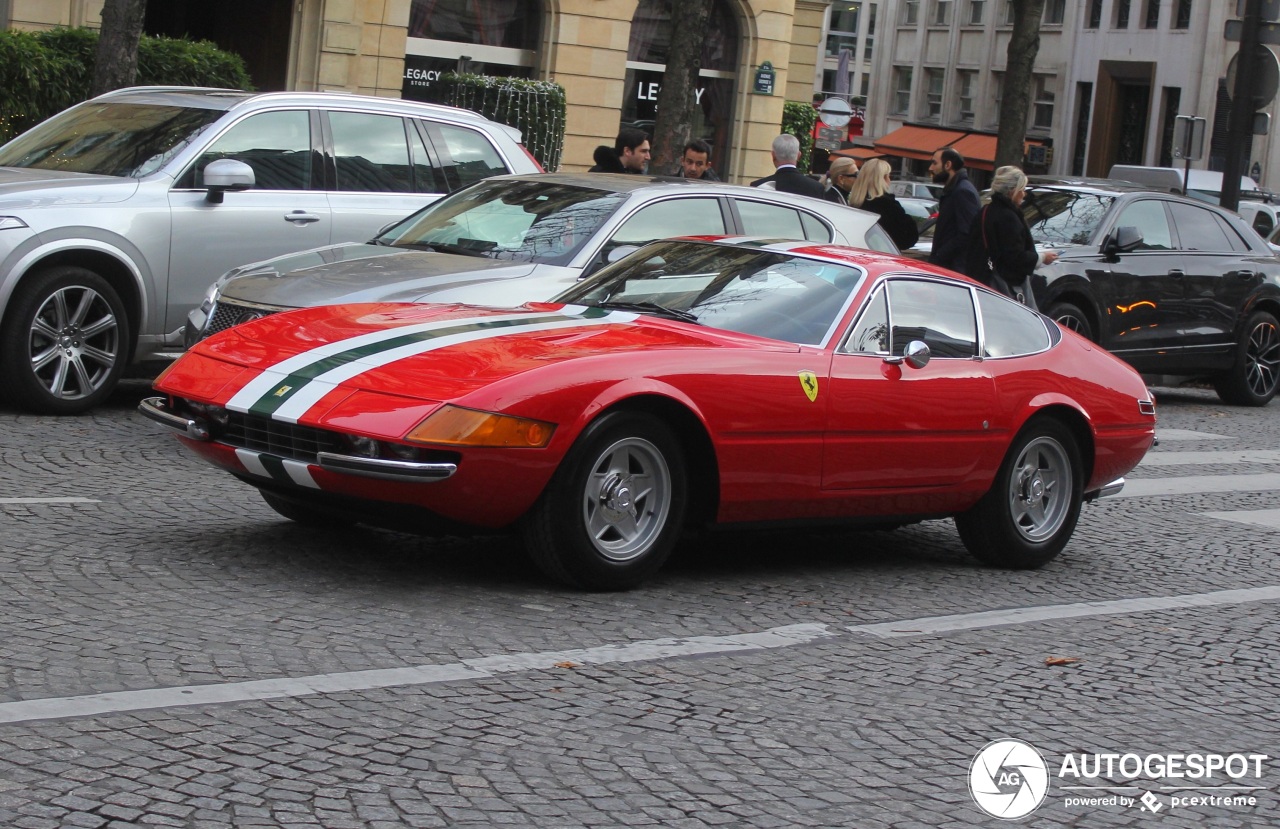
835 112
765 79
1188 137
1267 32
1268 80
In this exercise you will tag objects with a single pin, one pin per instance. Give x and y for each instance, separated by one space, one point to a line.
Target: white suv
117 214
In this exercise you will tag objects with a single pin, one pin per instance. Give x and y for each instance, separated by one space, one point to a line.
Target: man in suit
788 179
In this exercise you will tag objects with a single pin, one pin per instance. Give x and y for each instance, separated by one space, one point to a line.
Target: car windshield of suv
526 221
1064 217
108 139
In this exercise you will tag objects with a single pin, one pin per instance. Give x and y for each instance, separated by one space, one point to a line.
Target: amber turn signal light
455 426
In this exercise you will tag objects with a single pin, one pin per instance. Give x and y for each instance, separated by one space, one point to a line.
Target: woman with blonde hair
839 179
871 192
1002 253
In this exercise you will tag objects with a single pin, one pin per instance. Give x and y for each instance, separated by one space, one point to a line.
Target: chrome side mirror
916 355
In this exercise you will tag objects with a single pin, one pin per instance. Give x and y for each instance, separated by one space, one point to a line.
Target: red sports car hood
290 362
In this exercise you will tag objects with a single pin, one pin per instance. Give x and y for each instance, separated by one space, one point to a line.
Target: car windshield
108 139
528 221
1064 217
750 291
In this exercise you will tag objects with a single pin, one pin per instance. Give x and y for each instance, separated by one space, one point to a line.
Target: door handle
1176 274
1245 274
301 217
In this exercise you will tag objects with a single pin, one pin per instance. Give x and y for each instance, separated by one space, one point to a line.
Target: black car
1171 285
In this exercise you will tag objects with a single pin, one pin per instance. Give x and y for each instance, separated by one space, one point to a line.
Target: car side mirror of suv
1125 239
226 174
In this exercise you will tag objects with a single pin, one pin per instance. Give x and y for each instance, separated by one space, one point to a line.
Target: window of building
933 80
1007 19
869 42
1042 109
1095 15
967 83
1122 14
976 10
910 12
1151 20
997 81
1084 101
1055 11
941 13
1182 15
512 24
842 31
901 90
1172 99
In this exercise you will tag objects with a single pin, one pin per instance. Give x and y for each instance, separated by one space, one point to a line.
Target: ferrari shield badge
809 382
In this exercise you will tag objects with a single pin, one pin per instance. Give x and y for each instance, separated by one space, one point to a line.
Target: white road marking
1023 615
1188 434
1159 458
49 501
1197 484
1269 518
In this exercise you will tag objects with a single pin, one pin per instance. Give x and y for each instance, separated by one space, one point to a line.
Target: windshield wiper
651 308
441 247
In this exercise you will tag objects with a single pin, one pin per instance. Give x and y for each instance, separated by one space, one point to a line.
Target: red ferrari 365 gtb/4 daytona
696 382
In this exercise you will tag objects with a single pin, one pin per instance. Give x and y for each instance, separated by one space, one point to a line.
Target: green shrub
43 73
799 119
536 108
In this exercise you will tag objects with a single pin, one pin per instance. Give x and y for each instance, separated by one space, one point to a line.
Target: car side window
1148 216
762 219
471 156
938 314
870 335
1197 229
277 145
672 217
427 175
370 153
1010 328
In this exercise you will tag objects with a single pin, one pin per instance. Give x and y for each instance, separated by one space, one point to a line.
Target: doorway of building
1134 106
257 30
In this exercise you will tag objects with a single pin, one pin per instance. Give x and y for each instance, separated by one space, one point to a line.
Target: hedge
43 73
799 119
536 108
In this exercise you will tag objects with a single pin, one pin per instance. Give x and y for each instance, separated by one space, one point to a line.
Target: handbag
995 280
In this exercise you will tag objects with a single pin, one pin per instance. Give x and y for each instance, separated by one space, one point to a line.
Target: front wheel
1028 515
1255 371
612 513
1071 318
66 341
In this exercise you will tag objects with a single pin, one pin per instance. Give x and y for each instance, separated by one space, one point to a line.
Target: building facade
607 54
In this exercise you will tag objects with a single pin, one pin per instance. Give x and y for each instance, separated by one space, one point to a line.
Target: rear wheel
66 341
1072 318
1255 372
612 513
1030 512
303 513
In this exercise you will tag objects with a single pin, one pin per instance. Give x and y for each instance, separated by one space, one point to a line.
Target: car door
894 427
1143 290
285 211
1218 274
382 172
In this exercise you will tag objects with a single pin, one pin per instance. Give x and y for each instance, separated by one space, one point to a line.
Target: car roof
226 99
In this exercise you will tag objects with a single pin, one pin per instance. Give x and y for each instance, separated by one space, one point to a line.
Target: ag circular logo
1008 779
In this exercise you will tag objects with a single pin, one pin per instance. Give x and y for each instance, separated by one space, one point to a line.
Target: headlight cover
456 426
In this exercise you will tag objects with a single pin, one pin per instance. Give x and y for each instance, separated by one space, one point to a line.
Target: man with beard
956 210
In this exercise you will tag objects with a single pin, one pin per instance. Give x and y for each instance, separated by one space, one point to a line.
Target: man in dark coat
629 153
956 210
787 178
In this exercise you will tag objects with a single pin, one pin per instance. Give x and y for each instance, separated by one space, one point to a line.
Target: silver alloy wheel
627 499
74 342
1040 489
1262 359
1071 322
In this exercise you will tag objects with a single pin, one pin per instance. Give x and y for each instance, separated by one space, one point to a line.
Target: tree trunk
673 126
116 63
1024 44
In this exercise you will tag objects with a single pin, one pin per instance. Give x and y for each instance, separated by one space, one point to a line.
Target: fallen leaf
1060 660
566 664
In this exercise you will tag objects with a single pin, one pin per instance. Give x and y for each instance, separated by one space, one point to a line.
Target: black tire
303 514
1254 374
65 342
1031 510
589 529
1072 318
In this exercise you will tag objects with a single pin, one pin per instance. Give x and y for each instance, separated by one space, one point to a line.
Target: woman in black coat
1002 253
871 192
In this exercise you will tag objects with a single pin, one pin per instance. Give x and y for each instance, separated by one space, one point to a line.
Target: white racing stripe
299 474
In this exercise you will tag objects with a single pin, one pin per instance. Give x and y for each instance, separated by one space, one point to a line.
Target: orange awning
919 143
979 150
859 154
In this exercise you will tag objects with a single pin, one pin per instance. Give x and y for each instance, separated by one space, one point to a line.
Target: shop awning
979 150
919 143
859 154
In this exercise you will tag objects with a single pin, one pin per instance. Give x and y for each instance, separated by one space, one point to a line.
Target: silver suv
117 214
